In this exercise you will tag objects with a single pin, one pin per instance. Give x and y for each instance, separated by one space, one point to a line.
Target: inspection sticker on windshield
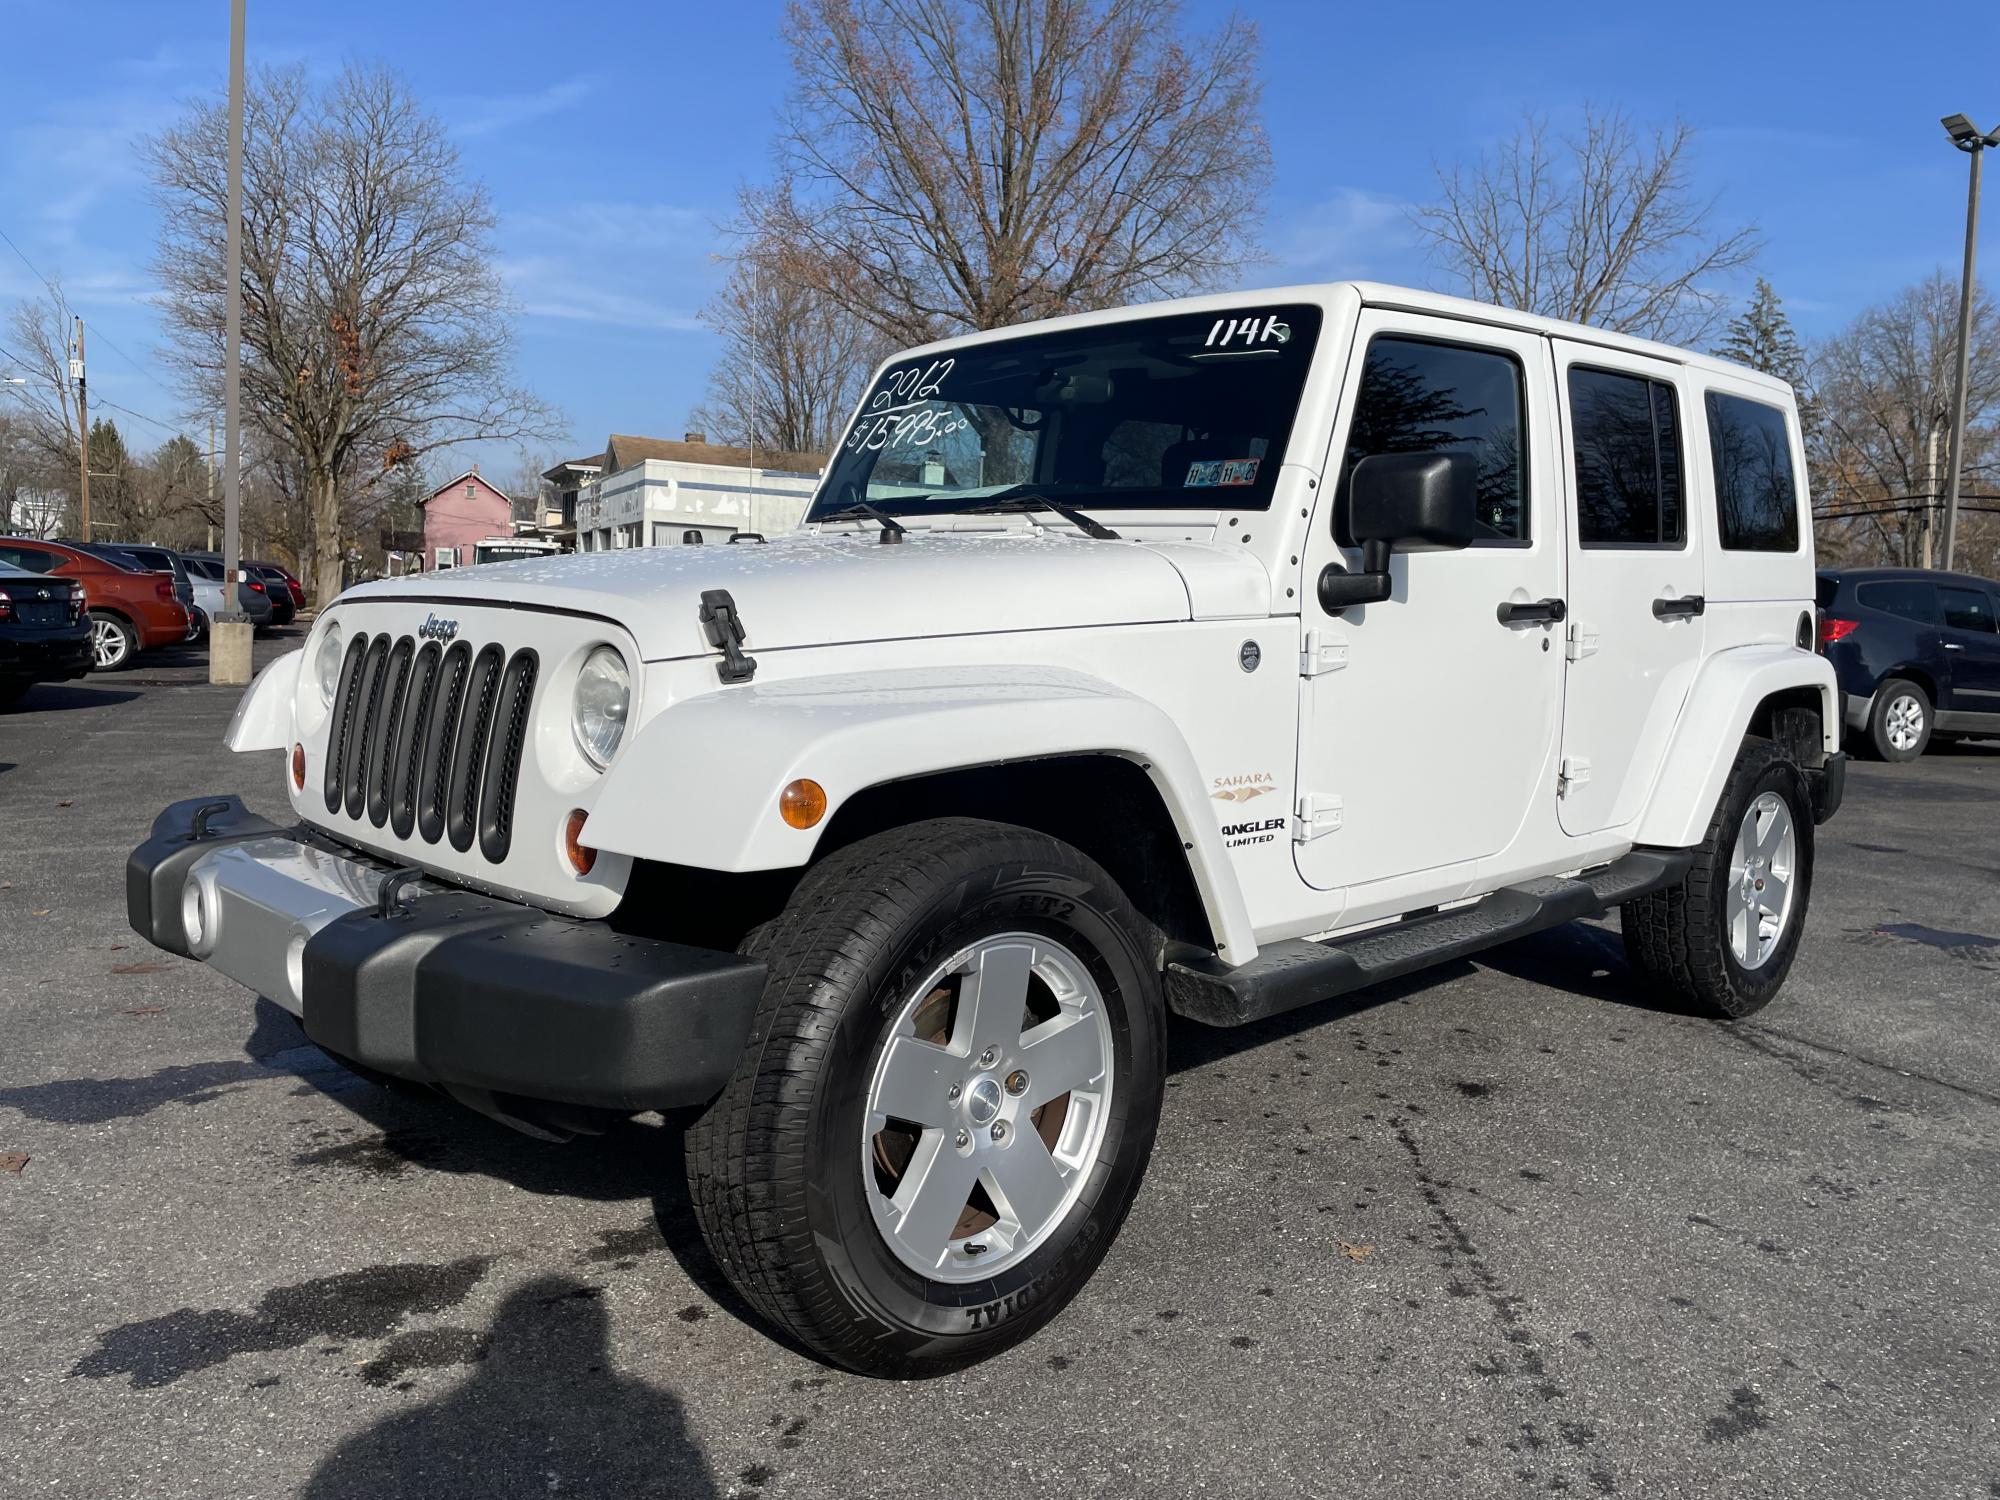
1208 473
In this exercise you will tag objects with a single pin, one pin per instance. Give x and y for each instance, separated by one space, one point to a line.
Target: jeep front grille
430 739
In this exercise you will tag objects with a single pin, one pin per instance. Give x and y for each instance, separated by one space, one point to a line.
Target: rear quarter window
1756 492
1909 598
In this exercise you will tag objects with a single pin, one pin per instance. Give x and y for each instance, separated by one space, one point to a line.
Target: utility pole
83 432
211 479
1969 139
1930 495
229 639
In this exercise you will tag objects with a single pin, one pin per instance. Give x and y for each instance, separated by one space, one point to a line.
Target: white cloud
1349 233
552 287
485 116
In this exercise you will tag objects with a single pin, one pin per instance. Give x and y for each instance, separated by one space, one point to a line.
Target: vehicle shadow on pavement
53 697
542 1413
1190 1044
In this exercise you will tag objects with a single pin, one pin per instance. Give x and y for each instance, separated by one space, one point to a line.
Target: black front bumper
471 992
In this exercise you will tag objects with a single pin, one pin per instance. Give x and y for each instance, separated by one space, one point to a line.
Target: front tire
114 644
1899 727
947 1101
1722 939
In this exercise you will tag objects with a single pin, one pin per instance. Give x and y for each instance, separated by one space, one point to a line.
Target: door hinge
1574 771
1322 652
1319 813
1581 641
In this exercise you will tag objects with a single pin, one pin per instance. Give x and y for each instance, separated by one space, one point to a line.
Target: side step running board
1284 976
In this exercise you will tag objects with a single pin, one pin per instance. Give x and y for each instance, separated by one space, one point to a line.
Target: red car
129 611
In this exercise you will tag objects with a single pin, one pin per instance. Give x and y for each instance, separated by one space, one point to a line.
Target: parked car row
129 598
1917 653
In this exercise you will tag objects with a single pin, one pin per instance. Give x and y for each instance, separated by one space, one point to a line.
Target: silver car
206 577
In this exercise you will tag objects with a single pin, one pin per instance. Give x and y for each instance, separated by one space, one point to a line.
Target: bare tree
1884 386
959 164
793 360
1595 227
38 339
375 327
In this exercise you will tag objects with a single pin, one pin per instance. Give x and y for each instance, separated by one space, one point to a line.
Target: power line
165 427
68 311
54 290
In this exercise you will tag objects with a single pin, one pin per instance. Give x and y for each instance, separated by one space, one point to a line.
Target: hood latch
725 632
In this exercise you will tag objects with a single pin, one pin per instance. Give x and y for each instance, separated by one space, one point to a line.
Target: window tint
1966 609
1909 597
1628 460
34 559
1420 397
1756 500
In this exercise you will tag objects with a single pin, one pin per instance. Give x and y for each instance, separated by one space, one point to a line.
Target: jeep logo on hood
434 629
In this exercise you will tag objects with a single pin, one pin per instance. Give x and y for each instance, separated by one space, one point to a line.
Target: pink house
461 514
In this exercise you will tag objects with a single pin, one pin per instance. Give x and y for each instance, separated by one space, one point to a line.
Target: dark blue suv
1917 653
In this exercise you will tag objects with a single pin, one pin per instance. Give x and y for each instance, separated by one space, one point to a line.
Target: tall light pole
229 639
1969 139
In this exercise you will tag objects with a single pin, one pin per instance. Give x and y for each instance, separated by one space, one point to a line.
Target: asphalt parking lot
1498 1230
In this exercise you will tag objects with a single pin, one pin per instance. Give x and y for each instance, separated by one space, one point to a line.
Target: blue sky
614 135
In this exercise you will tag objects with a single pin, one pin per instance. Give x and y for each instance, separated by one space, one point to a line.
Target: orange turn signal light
579 854
803 803
299 767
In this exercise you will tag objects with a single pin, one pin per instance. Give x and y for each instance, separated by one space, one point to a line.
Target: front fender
1727 691
263 719
699 785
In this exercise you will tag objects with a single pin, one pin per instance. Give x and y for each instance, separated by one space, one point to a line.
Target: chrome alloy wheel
1904 721
1760 880
988 1107
107 644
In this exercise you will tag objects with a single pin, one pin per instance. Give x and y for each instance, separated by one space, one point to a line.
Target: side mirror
1401 502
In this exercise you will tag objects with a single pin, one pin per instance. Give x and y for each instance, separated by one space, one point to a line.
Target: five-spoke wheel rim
988 1106
107 642
1904 722
1761 871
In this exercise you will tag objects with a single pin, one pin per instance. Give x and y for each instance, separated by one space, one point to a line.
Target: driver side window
1419 396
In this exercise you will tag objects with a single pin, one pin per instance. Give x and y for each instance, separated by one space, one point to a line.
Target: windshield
1191 411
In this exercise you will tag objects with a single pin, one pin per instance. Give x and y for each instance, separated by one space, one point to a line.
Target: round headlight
326 664
603 699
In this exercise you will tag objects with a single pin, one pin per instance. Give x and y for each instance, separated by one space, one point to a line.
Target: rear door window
1756 493
1966 609
1626 429
1911 598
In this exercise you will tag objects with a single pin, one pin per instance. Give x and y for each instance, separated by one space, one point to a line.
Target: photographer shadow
542 1413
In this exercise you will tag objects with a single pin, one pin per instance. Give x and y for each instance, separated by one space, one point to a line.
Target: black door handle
1540 612
1684 608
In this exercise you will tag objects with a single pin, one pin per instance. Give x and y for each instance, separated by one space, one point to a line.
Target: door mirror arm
1338 588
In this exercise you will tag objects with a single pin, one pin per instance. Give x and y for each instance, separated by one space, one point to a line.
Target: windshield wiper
893 530
1013 502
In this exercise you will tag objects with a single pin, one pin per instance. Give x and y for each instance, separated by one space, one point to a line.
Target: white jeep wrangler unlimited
1217 657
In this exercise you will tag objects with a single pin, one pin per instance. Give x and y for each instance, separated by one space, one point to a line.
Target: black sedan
44 633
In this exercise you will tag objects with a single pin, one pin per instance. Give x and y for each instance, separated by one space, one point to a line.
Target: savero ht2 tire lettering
948 1099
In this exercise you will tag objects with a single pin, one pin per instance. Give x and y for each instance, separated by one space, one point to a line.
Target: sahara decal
1242 788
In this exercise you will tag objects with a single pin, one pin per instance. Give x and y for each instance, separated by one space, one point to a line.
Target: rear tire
13 690
114 644
1722 939
1899 725
878 1070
